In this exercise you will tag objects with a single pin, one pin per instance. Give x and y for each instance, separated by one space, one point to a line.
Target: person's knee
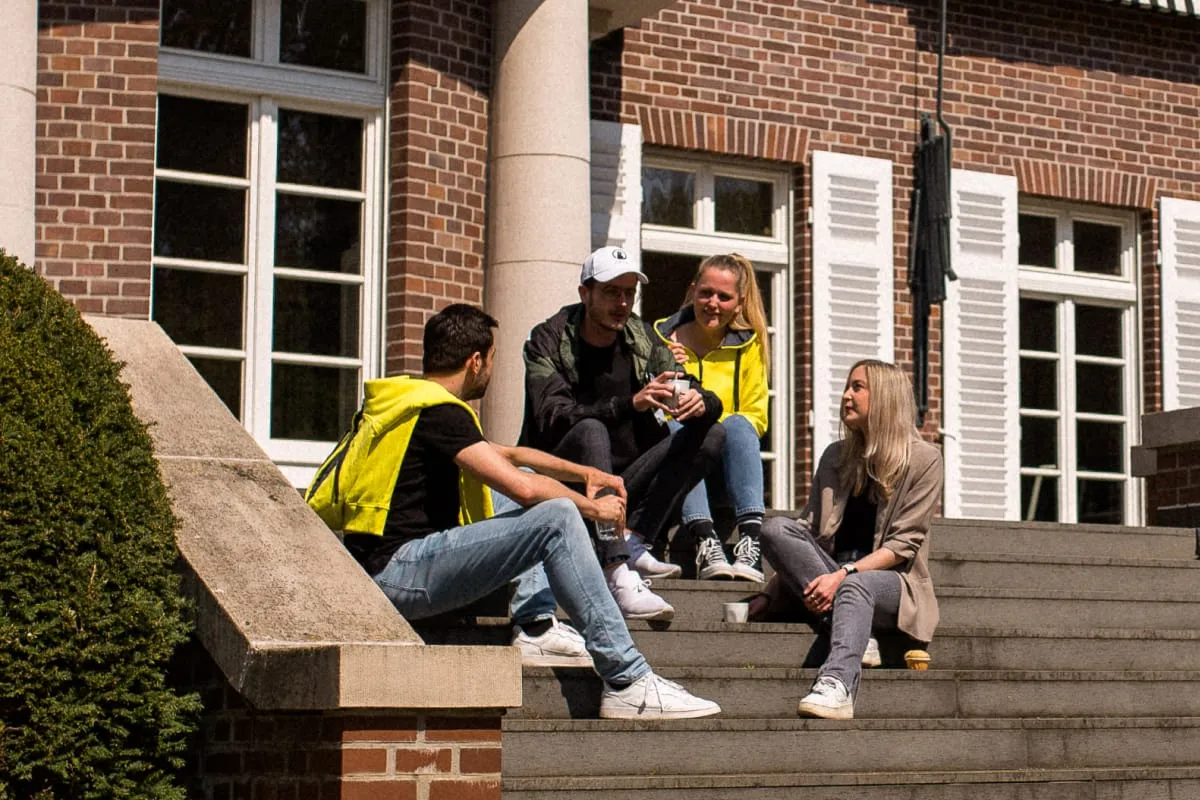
714 440
852 590
774 531
590 433
739 428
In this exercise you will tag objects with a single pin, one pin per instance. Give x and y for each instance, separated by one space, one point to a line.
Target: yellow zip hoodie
734 371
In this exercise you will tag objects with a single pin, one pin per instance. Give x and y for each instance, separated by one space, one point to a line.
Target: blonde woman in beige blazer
857 558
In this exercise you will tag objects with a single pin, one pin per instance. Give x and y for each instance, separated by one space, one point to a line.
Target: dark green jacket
551 378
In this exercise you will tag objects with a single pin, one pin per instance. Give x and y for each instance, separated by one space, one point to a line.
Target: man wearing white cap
598 383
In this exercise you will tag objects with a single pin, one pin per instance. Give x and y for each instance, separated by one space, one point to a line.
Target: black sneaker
747 559
711 561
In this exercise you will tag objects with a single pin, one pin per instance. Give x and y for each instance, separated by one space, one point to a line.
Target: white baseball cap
610 263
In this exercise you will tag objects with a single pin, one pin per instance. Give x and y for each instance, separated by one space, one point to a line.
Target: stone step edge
768 724
681 586
1066 528
1041 559
802 779
896 674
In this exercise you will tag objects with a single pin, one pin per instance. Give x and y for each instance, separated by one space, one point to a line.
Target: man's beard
475 389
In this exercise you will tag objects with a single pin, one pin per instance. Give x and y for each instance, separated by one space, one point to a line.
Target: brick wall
97 65
1080 100
1173 493
441 76
245 754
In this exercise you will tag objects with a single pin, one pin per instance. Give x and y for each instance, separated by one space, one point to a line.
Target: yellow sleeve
755 405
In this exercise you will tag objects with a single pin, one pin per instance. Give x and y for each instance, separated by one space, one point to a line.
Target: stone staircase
1067 666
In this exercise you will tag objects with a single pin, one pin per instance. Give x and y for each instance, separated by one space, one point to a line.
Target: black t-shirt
857 531
606 372
425 499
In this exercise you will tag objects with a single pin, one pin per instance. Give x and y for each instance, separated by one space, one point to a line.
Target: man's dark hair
453 335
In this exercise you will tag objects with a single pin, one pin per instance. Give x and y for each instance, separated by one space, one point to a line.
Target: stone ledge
1169 428
286 613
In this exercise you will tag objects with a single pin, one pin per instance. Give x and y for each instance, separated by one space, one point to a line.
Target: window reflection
320 149
319 318
202 136
330 34
199 308
744 206
311 402
316 233
1038 240
668 197
200 222
209 26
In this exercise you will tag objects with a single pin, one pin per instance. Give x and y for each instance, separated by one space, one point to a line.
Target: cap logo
619 254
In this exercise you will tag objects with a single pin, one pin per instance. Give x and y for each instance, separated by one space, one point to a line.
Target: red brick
374 729
422 760
355 761
379 790
465 790
479 760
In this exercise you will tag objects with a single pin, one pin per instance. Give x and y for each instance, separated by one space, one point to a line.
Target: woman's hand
677 349
691 404
818 595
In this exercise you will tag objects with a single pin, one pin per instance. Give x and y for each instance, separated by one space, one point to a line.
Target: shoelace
826 686
746 550
711 552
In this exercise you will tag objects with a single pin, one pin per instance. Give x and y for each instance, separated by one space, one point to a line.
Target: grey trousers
865 602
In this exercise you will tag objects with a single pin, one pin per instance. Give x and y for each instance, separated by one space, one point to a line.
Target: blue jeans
741 466
449 569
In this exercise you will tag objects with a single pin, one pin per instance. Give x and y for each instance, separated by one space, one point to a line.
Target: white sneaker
652 697
711 561
644 562
829 699
634 597
747 559
560 646
871 657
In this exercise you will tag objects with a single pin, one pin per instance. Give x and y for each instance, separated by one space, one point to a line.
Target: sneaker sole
714 573
674 572
824 712
872 660
663 615
634 713
747 574
580 662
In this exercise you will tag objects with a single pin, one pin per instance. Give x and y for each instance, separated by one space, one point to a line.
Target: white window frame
1066 287
265 85
769 254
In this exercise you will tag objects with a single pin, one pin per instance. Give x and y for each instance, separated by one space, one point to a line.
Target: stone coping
290 618
1160 430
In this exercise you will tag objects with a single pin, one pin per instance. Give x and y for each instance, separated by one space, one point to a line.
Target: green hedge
90 610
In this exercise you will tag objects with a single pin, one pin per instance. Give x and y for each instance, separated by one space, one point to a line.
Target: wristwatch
850 569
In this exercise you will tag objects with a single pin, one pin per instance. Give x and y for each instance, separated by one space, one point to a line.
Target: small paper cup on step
917 659
737 612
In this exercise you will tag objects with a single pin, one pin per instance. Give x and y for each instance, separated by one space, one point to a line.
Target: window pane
668 197
316 233
1039 325
1039 498
1102 502
330 34
1039 442
203 222
199 308
1098 331
319 149
318 318
225 378
669 276
210 26
744 206
1098 389
1039 384
202 136
309 402
1097 248
1100 446
1038 240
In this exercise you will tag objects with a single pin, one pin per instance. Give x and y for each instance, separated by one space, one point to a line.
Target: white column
539 196
18 126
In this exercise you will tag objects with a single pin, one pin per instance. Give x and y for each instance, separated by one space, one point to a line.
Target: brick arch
1086 184
724 135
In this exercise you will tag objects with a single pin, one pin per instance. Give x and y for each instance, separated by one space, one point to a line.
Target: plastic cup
737 612
917 659
679 386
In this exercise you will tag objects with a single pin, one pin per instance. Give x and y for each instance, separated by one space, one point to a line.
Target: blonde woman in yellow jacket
720 337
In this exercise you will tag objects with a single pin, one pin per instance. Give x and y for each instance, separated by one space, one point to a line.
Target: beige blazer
901 525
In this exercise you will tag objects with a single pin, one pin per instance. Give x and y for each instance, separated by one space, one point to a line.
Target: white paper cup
737 612
680 386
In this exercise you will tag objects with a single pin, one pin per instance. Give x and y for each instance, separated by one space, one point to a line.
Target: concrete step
729 746
1064 573
762 693
1051 538
1123 607
720 644
1137 783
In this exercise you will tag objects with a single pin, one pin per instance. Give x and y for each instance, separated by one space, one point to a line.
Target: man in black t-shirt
598 382
427 562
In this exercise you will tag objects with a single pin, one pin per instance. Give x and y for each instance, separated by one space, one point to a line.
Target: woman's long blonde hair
752 315
879 453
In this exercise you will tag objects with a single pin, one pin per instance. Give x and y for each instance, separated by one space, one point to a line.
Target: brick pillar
97 67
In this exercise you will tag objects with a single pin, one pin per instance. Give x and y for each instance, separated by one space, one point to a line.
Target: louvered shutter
617 186
1180 238
981 355
852 277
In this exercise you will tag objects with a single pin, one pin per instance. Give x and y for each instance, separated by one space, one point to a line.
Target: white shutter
853 267
1180 238
617 186
981 354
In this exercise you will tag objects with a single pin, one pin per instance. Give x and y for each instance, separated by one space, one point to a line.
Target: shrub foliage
90 610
